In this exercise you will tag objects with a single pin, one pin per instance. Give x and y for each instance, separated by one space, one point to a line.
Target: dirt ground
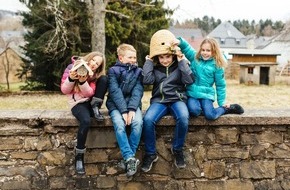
250 97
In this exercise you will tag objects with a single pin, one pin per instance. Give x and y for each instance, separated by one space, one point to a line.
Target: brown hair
215 50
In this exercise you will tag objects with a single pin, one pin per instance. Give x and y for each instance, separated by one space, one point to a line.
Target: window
250 70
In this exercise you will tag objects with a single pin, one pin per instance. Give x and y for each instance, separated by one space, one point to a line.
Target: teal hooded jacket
209 82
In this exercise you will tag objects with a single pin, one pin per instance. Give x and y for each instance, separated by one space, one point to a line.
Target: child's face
206 52
95 63
165 59
128 57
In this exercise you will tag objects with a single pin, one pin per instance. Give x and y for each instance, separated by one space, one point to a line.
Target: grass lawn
250 97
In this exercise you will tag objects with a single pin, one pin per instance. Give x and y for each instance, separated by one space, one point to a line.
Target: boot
79 161
96 104
234 109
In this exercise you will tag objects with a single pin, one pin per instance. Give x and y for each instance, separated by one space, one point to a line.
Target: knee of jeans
85 122
103 79
147 119
119 130
210 116
195 112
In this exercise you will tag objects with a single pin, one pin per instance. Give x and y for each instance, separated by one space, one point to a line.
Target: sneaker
234 109
131 166
148 161
122 164
178 158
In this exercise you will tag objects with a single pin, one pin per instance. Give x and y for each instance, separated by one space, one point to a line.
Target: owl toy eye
82 71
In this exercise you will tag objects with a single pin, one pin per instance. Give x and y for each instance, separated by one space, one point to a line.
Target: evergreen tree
60 29
56 30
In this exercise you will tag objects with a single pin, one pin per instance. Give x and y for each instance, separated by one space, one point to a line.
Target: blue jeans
128 145
197 106
154 113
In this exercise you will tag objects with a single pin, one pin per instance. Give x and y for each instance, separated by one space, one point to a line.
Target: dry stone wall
235 152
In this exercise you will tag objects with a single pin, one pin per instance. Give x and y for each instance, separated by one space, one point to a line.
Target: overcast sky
222 9
231 9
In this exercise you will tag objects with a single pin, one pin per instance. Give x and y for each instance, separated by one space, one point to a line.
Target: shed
256 66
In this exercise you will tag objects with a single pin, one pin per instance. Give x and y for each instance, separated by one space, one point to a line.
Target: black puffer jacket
169 83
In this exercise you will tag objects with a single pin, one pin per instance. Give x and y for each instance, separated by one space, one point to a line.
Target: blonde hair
215 51
121 50
101 69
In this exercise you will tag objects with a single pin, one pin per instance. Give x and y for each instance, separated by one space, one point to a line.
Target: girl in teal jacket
207 66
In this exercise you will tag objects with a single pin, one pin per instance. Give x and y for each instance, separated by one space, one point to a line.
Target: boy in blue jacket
124 104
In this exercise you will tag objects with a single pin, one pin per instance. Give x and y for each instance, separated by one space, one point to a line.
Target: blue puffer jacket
125 87
206 75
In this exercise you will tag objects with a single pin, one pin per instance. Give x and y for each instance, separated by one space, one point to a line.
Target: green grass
14 87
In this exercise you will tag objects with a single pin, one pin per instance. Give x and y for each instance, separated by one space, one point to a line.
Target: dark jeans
83 112
101 87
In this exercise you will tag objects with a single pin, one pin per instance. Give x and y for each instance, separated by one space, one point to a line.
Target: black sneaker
178 158
148 161
234 109
131 166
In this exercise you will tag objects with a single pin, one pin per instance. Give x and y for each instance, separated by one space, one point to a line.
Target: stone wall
235 152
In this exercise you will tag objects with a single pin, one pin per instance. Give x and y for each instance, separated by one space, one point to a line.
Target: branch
117 13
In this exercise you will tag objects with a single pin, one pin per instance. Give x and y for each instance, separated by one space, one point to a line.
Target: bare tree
6 63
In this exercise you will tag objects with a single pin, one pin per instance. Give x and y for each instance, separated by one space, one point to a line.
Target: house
229 37
193 36
249 61
256 66
280 43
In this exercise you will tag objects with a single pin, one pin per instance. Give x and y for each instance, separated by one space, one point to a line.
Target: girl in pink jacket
85 84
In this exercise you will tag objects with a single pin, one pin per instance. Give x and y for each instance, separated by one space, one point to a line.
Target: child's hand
83 78
125 118
147 58
175 42
131 117
180 56
73 75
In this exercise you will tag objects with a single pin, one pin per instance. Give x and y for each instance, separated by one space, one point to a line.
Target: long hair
215 50
101 69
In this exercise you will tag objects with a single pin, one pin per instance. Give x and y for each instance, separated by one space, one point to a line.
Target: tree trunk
97 12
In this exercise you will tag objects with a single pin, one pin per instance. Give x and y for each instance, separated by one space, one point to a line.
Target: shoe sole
147 170
179 167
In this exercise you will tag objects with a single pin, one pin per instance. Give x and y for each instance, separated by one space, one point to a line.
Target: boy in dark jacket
168 70
124 104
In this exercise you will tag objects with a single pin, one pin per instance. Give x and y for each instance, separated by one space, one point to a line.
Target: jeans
127 144
197 106
154 113
83 113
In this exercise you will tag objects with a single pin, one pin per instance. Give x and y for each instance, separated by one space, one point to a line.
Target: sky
219 9
231 9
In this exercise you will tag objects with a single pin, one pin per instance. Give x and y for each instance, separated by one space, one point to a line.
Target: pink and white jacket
87 90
